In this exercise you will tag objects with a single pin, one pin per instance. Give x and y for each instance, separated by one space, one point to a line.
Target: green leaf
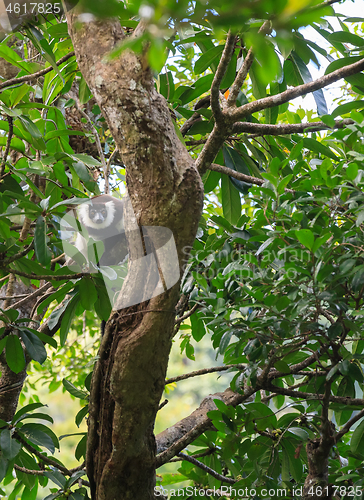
15 144
225 341
306 237
295 464
344 109
318 147
25 409
81 448
211 179
18 94
42 252
8 445
77 393
166 85
40 435
358 280
320 241
352 171
14 354
357 439
157 54
67 318
88 293
84 91
264 416
234 161
13 58
197 328
43 47
231 203
34 346
302 434
282 366
82 171
170 478
230 73
201 86
57 479
346 37
42 416
208 58
81 415
306 77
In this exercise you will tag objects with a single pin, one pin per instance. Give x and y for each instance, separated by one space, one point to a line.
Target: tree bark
165 190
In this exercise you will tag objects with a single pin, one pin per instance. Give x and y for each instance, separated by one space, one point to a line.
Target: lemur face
97 215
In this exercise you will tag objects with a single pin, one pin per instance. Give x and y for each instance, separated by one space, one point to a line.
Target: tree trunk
165 190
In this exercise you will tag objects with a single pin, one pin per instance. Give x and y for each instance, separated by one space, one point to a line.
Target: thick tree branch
275 100
261 129
48 277
237 175
173 440
220 72
315 397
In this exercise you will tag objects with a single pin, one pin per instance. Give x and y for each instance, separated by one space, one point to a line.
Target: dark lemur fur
103 218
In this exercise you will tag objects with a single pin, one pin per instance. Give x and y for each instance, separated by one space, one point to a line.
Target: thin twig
7 147
18 255
33 76
315 397
204 371
30 297
98 145
236 175
49 277
349 424
187 315
206 453
40 455
108 168
196 117
29 471
244 70
208 470
13 297
327 315
261 129
306 88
